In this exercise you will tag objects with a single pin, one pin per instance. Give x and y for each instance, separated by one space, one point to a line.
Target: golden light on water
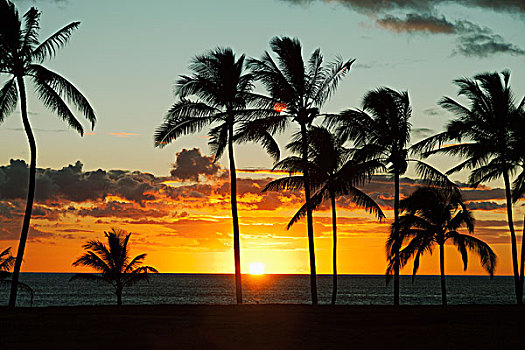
256 268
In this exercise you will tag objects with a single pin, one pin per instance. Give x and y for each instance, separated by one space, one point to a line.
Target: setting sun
257 268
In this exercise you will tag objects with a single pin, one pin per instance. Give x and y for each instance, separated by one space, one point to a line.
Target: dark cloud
486 44
190 164
414 22
432 111
73 184
406 16
485 206
371 7
422 132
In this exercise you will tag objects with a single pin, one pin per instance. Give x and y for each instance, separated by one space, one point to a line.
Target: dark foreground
263 327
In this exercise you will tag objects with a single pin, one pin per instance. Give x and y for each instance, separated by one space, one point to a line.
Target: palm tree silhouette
381 129
298 91
223 94
6 263
486 134
432 216
21 55
333 173
113 262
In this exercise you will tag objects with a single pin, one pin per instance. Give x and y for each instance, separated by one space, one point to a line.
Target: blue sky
127 54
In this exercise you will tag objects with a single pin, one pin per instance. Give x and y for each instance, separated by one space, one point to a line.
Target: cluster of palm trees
331 158
334 157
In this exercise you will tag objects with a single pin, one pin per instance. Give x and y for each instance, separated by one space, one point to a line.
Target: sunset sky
125 58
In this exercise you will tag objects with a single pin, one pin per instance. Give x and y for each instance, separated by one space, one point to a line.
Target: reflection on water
54 289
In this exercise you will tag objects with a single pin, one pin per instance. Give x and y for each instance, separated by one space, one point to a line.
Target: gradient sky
126 56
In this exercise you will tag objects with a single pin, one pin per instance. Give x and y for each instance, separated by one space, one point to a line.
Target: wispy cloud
122 134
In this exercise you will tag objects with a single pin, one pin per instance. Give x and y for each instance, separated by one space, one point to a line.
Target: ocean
54 289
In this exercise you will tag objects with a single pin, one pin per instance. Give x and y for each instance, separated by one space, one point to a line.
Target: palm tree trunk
510 221
334 254
522 268
396 239
30 193
118 292
235 218
442 270
309 218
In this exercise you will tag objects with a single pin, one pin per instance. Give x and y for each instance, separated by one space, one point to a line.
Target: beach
263 327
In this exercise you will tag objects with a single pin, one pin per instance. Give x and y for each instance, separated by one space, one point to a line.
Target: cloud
416 23
190 164
422 132
414 16
371 7
485 206
122 134
486 44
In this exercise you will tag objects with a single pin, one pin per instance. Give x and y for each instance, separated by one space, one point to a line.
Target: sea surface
54 289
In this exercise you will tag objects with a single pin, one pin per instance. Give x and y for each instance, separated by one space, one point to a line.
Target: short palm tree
333 174
223 100
433 216
299 91
485 134
6 263
381 130
113 263
21 55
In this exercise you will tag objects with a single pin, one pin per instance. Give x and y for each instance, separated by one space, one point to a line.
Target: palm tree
223 93
21 55
485 134
113 263
299 91
433 216
6 263
333 174
381 129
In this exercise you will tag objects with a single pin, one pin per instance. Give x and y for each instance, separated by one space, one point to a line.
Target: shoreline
263 326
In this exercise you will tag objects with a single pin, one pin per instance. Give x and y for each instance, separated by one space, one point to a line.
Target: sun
256 268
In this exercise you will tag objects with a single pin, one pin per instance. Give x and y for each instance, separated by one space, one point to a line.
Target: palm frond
52 100
250 132
486 255
331 77
8 99
315 202
65 89
218 140
49 47
285 183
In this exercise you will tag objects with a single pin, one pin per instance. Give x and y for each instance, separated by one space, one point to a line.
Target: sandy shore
263 327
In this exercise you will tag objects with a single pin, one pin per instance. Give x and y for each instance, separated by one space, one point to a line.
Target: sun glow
256 268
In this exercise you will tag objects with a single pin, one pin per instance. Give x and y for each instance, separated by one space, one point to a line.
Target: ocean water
54 289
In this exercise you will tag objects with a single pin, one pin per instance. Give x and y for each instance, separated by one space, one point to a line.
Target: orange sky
183 221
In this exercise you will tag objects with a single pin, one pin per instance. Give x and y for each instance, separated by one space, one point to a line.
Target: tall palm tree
433 216
333 173
381 129
21 55
223 100
299 91
113 263
485 135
